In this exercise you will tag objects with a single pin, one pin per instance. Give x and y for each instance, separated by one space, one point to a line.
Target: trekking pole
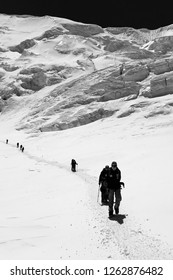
98 194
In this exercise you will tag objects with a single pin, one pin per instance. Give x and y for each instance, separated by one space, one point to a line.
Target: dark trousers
118 198
73 168
104 196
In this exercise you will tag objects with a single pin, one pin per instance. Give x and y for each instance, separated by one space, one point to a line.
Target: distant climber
103 183
17 145
21 147
6 141
73 165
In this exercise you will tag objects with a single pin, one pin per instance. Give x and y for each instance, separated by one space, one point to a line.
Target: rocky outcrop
38 76
137 36
116 45
9 67
22 46
32 69
51 33
8 91
85 30
34 82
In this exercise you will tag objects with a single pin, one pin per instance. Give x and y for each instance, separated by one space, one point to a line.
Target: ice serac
61 73
162 85
162 45
136 73
161 66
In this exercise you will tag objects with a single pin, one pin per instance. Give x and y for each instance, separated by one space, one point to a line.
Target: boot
117 210
110 214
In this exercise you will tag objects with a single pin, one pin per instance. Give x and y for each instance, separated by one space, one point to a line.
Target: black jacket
73 162
114 179
103 176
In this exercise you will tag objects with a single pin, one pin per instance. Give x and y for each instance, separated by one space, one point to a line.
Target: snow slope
48 212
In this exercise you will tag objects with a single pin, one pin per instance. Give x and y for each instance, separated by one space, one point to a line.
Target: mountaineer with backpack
73 165
103 183
114 186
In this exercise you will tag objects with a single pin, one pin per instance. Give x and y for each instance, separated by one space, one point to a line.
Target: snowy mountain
103 94
68 74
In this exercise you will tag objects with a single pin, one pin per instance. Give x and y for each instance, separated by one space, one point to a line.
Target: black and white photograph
86 131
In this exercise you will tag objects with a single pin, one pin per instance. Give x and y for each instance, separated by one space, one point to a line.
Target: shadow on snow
118 218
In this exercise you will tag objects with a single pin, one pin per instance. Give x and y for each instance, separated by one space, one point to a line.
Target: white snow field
48 212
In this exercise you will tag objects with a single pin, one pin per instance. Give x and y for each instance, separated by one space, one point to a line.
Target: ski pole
98 194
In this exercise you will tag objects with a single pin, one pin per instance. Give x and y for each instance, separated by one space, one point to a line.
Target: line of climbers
109 184
21 146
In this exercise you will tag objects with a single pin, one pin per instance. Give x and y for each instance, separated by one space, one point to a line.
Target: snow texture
49 212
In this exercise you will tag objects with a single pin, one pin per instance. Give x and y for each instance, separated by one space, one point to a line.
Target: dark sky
137 14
